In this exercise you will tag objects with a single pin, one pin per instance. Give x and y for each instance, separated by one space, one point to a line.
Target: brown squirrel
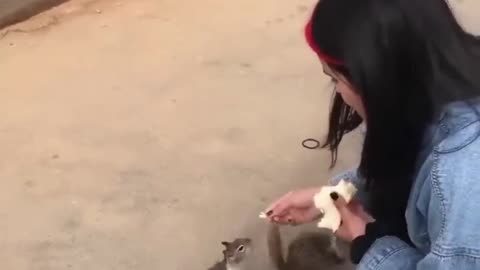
309 251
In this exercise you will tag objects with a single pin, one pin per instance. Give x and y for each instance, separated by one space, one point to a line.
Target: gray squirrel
309 251
234 255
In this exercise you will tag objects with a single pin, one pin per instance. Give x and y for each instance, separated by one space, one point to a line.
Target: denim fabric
443 213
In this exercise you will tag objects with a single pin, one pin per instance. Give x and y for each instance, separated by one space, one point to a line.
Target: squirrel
234 254
309 251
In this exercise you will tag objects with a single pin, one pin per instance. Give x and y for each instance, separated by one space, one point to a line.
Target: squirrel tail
275 246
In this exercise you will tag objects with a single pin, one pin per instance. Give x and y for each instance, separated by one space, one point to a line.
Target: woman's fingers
304 215
295 216
279 206
294 208
300 199
340 203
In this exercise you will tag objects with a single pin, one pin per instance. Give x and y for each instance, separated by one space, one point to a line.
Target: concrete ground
139 134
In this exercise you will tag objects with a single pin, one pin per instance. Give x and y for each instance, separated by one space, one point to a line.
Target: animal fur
309 251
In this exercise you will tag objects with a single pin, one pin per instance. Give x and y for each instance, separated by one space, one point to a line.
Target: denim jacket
443 212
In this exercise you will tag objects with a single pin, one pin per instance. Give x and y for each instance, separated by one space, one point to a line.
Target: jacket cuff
362 244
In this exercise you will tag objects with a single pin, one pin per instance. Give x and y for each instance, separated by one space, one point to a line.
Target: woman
412 75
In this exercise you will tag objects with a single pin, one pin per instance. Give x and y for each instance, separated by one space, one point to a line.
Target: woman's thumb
339 202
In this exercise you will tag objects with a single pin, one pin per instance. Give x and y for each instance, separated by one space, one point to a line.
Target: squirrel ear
225 243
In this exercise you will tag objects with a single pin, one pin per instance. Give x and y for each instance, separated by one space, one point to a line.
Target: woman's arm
453 220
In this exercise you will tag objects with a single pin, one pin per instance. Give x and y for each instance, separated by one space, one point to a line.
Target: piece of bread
331 217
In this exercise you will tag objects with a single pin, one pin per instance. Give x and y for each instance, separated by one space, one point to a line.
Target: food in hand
331 217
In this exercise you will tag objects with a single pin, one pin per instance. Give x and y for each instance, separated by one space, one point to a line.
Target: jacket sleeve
393 254
453 217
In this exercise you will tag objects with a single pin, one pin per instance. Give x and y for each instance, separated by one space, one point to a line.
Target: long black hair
406 60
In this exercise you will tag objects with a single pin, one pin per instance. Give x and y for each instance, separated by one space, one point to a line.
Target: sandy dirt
139 134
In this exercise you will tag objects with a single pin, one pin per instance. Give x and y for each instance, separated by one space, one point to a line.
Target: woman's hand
297 207
294 208
353 216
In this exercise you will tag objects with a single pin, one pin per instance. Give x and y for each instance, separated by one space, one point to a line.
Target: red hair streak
323 56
